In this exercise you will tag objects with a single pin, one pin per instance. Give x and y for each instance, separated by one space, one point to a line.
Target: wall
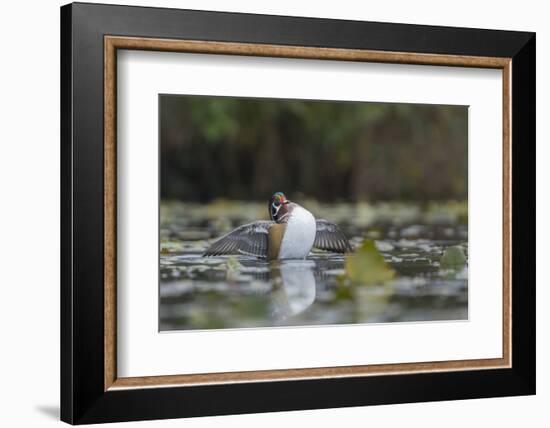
29 232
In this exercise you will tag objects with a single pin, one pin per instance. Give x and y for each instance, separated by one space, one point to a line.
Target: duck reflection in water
294 287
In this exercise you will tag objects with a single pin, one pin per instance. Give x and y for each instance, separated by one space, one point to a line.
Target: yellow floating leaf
367 266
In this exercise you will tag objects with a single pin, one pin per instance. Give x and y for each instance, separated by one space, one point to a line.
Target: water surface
242 292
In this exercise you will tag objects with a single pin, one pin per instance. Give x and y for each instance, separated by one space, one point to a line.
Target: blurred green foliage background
247 148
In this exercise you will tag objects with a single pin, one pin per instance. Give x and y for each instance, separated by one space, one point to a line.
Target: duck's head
278 206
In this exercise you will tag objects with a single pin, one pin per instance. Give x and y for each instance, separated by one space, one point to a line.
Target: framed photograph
265 213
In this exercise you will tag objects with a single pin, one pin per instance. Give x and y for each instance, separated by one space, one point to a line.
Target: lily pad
233 269
453 258
367 266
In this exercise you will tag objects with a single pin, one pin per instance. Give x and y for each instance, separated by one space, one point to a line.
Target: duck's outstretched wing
249 239
330 238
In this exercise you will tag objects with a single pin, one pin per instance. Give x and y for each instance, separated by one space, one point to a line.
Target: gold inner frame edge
113 43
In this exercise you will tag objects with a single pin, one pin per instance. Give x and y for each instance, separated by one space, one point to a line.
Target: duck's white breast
299 234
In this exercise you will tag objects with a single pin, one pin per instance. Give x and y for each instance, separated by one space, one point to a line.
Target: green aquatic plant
453 258
169 247
233 264
366 266
233 268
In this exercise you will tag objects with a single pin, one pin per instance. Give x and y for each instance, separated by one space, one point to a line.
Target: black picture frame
83 398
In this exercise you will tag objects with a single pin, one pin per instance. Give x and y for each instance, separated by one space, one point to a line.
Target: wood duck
290 234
